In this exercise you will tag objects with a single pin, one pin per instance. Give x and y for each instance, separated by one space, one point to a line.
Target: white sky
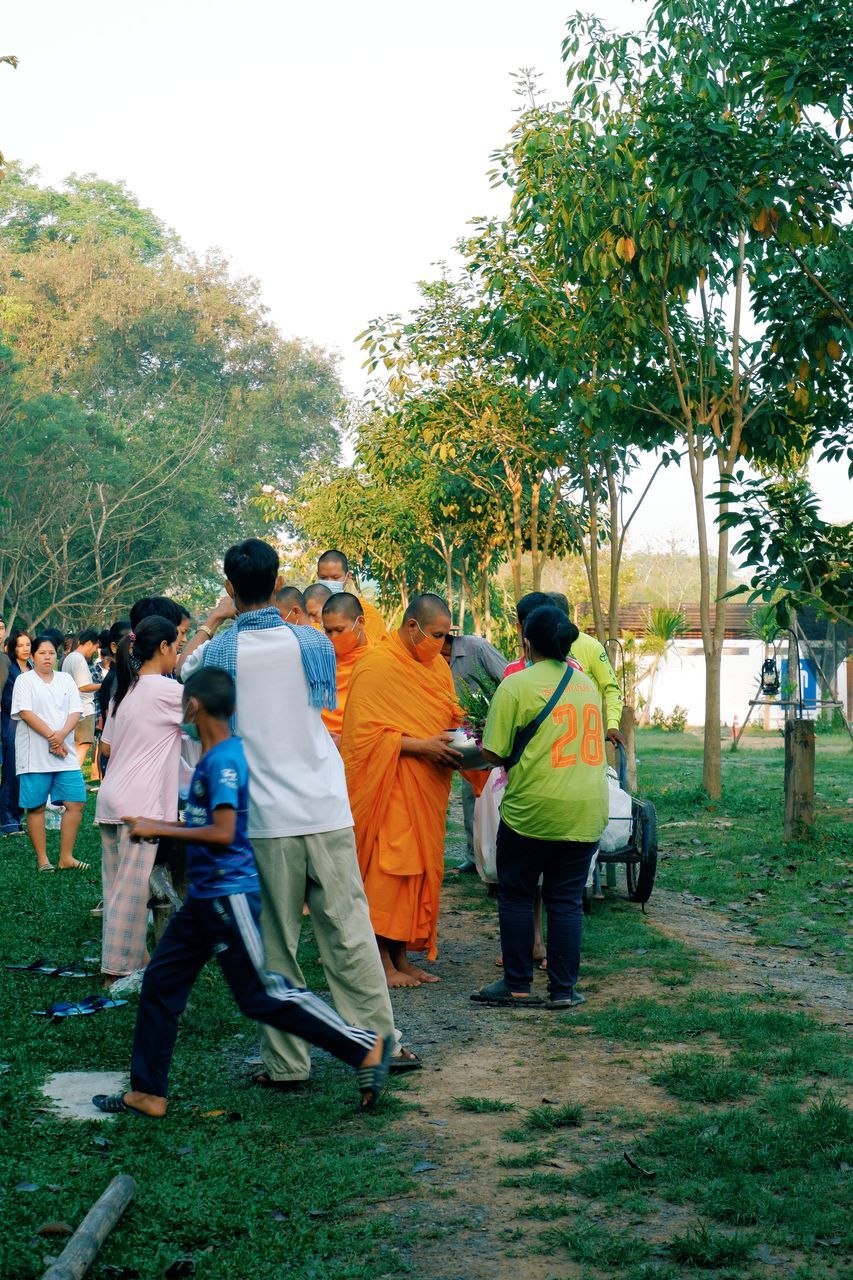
334 150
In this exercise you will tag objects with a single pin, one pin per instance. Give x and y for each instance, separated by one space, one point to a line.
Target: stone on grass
70 1093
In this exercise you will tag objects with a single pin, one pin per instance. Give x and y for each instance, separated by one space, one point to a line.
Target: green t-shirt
558 789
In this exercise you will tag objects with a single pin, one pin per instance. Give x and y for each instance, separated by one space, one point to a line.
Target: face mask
191 730
331 584
345 641
428 649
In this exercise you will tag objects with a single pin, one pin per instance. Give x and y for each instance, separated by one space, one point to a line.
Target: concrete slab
70 1092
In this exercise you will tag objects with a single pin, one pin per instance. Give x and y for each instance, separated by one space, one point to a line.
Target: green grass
732 851
711 1249
568 1116
588 1242
704 1077
272 1184
483 1104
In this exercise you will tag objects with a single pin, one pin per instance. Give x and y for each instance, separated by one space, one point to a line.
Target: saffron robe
344 667
398 802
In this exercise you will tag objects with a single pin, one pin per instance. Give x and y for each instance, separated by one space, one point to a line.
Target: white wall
681 681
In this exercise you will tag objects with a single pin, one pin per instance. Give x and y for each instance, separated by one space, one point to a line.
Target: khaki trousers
321 870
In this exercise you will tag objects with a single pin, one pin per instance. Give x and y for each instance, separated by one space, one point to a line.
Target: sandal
96 1003
405 1060
372 1080
263 1080
43 965
49 869
566 1002
63 1009
75 866
499 994
114 1104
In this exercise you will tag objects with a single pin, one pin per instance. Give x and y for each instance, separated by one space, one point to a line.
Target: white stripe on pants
125 869
322 870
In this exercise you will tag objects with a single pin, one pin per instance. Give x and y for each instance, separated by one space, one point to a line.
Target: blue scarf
318 655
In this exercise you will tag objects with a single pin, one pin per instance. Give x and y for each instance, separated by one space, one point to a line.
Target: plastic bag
617 833
487 816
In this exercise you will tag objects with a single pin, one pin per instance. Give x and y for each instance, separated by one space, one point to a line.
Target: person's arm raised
219 833
222 611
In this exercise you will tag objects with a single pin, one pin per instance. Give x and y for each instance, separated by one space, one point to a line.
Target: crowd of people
303 755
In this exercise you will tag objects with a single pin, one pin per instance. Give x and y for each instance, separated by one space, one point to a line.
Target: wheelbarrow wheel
641 874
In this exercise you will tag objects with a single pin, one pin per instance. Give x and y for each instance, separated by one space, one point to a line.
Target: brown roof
634 617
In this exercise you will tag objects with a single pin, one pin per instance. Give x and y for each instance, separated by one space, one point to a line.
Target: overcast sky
334 150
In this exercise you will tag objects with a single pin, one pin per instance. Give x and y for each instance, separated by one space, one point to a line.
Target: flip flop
62 1009
48 870
372 1080
96 1003
566 1002
263 1080
76 866
499 994
35 966
406 1060
71 971
114 1104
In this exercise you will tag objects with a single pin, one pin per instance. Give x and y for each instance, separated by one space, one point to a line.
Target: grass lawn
741 1141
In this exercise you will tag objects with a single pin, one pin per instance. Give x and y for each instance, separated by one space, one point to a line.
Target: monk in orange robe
400 709
333 568
343 623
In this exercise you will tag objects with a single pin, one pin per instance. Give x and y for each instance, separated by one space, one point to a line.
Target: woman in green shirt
553 811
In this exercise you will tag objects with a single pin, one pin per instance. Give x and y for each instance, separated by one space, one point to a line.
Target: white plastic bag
618 830
487 816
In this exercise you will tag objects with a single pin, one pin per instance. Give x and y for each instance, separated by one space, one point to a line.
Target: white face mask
331 584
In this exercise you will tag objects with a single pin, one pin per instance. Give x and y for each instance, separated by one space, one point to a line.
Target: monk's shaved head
426 609
344 605
290 596
316 594
335 561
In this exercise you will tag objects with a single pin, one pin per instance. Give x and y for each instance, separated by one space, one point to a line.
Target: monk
315 597
395 744
333 571
343 623
290 603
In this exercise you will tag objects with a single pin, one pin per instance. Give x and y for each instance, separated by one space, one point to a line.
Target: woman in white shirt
46 705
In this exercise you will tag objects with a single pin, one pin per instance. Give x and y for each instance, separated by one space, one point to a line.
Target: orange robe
374 623
399 802
344 667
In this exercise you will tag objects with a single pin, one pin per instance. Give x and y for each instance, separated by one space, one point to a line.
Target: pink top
520 664
144 737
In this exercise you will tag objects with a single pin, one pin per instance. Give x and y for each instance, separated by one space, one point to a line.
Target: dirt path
748 964
465 1223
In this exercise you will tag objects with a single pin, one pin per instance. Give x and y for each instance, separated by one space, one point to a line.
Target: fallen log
80 1252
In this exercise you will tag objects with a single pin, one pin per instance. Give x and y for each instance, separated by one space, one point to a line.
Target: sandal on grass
263 1080
75 866
499 994
372 1080
566 1002
43 965
114 1104
47 869
96 1003
405 1060
64 1009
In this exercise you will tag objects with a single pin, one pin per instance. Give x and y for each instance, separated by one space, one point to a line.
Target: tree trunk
616 543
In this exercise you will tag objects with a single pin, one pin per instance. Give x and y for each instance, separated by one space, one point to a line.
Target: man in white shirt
76 665
300 823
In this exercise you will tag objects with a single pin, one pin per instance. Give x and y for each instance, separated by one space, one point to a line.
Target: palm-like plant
663 628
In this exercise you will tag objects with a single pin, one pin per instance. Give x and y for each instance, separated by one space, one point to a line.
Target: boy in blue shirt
221 917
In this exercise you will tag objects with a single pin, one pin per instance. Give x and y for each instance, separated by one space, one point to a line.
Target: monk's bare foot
405 966
148 1103
396 979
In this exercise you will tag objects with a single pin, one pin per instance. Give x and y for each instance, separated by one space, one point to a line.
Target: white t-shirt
297 784
76 666
53 702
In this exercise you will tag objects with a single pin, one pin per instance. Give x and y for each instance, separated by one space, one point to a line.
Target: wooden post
626 728
79 1254
799 778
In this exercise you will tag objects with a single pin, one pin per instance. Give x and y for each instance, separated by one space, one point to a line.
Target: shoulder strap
526 733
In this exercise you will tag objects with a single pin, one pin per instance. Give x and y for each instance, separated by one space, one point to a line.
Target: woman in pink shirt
142 739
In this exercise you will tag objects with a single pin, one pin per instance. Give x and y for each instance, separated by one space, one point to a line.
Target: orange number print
592 743
560 759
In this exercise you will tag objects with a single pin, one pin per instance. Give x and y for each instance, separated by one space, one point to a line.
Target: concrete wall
681 681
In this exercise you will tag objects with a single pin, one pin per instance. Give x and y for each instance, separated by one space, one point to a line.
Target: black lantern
770 680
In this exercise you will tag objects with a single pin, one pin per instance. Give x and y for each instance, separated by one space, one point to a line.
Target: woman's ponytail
550 632
135 648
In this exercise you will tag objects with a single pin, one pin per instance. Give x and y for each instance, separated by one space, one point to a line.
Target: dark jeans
10 810
227 928
564 866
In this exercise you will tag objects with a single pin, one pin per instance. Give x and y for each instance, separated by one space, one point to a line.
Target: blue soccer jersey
221 779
